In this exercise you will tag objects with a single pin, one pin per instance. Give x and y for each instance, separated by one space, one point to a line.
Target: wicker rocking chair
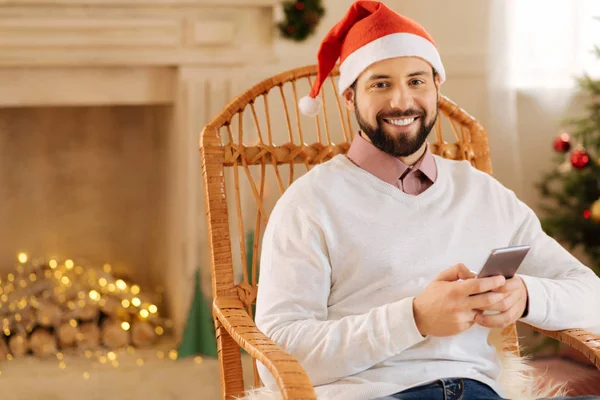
240 141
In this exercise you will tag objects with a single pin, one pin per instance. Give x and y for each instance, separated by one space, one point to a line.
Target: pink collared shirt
412 180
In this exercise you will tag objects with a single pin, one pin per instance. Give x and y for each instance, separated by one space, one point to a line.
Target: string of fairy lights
48 294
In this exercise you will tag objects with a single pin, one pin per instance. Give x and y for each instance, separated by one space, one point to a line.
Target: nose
402 99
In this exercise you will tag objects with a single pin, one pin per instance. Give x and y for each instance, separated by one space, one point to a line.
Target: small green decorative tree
199 334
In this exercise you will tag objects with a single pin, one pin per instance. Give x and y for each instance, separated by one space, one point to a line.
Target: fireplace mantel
134 33
183 54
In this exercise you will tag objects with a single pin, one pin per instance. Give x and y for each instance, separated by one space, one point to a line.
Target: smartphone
504 261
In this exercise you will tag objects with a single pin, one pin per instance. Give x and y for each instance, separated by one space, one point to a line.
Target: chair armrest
291 378
585 342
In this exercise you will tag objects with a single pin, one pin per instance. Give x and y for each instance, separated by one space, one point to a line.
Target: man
365 267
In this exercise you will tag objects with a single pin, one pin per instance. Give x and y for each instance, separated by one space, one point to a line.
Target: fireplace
100 110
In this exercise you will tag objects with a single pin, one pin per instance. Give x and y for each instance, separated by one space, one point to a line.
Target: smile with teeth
401 121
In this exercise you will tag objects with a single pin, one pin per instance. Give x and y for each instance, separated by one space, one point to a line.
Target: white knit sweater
344 254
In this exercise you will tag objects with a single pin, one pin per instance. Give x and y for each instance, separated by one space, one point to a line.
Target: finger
472 314
454 273
484 300
500 320
505 304
511 284
482 285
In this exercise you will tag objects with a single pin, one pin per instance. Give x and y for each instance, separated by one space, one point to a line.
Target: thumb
454 273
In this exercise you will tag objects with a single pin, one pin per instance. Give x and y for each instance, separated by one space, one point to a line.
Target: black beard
402 145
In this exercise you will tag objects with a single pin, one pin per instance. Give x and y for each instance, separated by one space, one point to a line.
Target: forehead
397 67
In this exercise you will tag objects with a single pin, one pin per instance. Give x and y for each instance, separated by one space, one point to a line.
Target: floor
151 374
142 374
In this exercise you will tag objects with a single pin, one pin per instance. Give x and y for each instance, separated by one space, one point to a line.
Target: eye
380 85
416 82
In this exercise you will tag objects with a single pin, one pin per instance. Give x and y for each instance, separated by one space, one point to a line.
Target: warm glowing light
102 282
53 264
159 330
136 302
125 326
125 303
94 295
152 308
135 289
106 268
144 313
22 257
173 354
69 264
121 284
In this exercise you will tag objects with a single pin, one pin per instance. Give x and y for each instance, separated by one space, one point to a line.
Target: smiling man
366 261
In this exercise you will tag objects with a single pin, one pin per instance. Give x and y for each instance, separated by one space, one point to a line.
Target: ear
437 86
348 96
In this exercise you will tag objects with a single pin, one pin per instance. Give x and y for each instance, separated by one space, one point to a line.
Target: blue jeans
457 389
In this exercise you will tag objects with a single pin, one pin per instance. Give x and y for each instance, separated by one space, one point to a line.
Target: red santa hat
369 32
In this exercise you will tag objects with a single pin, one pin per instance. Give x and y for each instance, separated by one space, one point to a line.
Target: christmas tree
571 191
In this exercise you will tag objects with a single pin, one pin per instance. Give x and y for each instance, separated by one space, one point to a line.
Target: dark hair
353 86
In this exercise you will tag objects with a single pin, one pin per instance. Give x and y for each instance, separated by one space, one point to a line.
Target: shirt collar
386 167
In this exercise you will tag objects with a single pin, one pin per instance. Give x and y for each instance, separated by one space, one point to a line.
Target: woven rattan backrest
255 148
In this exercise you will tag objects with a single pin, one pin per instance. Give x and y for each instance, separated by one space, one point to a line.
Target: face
396 104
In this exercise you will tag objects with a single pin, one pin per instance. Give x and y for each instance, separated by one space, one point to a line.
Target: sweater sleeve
294 287
563 293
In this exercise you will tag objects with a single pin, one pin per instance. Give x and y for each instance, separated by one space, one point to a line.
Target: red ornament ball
580 159
587 214
562 143
299 6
